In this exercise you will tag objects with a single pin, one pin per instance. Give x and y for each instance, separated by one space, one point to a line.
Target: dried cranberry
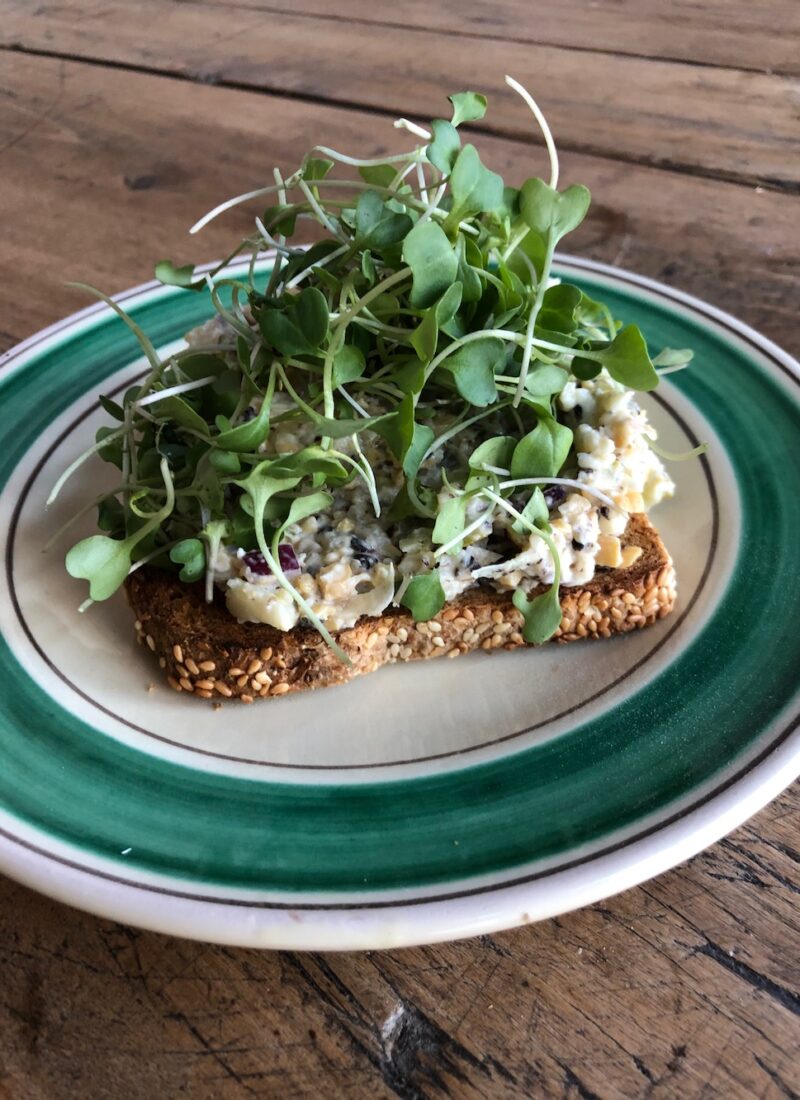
256 563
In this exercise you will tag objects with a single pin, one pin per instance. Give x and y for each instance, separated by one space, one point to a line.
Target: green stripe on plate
709 707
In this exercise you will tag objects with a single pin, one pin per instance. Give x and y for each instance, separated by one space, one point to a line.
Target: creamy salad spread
346 562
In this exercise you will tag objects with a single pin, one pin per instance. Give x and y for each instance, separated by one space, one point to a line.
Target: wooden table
119 124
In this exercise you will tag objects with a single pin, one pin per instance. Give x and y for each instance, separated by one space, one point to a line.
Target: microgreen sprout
425 321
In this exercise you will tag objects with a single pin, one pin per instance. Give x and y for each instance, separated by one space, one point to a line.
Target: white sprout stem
423 186
400 175
365 470
304 606
231 318
529 337
671 370
352 401
581 486
228 204
412 127
476 523
495 470
401 591
543 535
427 213
184 387
73 466
274 242
357 162
546 133
297 279
323 218
482 334
98 500
348 314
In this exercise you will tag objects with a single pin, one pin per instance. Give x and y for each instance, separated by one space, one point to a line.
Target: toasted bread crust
205 652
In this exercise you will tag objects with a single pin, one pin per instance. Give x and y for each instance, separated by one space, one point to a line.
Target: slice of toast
204 651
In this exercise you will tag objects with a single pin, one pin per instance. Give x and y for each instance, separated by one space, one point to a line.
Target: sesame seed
264 692
223 689
406 652
469 615
137 625
207 666
281 689
162 662
182 670
454 652
204 694
151 642
191 665
246 698
438 642
173 683
517 638
186 684
486 643
402 634
254 666
236 672
435 628
242 681
266 654
262 678
497 616
204 685
177 653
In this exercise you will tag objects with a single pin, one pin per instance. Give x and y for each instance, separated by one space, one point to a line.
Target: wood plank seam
390 25
782 186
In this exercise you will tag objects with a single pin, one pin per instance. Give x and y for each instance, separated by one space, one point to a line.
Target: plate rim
404 923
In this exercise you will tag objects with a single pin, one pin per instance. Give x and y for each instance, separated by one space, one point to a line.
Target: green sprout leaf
444 148
167 273
627 361
467 107
376 225
541 615
433 263
473 366
190 554
474 188
556 213
302 328
424 597
542 452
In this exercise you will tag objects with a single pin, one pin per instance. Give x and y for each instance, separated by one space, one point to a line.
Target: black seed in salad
248 414
554 495
364 554
577 545
604 511
578 410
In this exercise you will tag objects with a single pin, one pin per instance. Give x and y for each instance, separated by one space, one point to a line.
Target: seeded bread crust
204 651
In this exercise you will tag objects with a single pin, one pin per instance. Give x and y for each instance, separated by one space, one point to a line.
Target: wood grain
735 33
122 167
715 121
687 988
683 988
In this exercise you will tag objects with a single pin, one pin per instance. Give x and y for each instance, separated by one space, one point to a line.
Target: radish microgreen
426 311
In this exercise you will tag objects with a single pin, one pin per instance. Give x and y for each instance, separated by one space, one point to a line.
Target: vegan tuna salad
408 412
